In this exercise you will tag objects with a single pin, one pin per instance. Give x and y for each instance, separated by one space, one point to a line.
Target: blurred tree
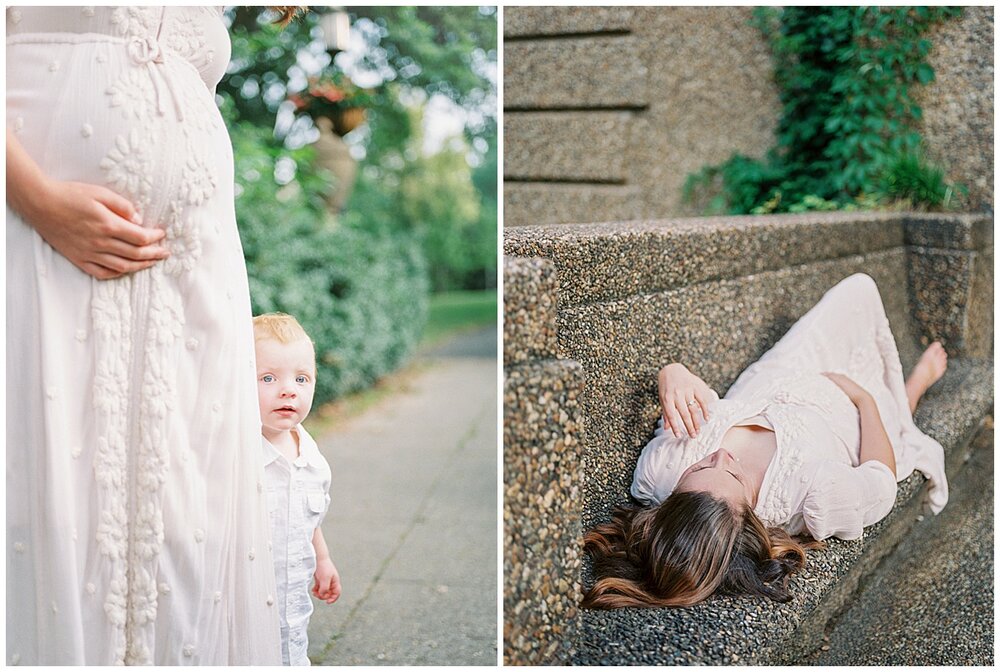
360 287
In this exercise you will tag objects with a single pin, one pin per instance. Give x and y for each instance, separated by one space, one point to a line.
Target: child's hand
327 586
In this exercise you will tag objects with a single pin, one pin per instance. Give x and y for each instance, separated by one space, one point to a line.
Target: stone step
931 600
744 630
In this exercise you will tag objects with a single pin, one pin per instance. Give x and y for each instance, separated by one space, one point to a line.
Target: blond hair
280 327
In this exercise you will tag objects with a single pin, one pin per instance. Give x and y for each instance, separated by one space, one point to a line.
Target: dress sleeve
843 500
659 466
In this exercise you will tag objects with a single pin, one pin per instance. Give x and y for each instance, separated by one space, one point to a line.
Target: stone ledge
527 203
537 21
745 630
955 232
612 260
529 306
580 73
580 146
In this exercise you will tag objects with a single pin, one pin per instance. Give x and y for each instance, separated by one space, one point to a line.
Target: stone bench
620 300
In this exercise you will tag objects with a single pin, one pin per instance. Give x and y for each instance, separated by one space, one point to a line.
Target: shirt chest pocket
315 502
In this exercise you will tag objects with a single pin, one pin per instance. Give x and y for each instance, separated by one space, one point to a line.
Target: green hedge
360 293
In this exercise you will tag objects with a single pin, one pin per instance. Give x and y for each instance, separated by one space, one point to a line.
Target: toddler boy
297 477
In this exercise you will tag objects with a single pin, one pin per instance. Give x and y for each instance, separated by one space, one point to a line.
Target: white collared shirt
298 495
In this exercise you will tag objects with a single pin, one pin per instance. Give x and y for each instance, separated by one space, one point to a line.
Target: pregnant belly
91 112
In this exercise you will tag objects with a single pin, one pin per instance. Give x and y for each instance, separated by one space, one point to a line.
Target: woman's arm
92 226
875 443
681 395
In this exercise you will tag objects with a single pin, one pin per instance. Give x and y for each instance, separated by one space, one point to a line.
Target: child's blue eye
301 379
267 378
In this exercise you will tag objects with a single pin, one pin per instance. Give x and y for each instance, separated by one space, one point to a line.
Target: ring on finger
692 403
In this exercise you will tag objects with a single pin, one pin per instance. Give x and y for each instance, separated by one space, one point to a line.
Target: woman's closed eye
706 466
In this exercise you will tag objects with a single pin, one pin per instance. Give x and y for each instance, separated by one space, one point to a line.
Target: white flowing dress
815 481
136 521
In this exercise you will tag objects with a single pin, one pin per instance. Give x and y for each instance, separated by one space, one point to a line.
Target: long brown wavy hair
684 550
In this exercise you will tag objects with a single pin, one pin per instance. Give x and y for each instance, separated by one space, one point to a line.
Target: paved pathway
412 526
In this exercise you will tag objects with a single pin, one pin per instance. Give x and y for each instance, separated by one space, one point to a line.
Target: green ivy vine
847 135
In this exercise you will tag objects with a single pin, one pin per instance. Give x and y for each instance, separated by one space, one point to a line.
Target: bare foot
928 371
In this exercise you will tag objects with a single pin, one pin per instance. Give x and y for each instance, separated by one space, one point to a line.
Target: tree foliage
360 284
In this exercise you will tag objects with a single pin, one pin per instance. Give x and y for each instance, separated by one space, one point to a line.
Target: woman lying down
810 440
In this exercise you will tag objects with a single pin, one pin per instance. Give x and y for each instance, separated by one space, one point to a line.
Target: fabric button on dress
199 535
19 546
189 650
54 66
192 344
217 597
86 130
18 124
81 335
164 588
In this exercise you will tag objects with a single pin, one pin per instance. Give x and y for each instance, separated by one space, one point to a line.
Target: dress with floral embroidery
136 521
815 482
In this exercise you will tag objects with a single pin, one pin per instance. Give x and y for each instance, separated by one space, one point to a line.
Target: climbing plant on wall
847 134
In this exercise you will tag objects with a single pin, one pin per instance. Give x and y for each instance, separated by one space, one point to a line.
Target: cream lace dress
815 482
136 520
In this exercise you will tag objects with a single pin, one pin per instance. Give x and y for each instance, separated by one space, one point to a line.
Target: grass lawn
454 312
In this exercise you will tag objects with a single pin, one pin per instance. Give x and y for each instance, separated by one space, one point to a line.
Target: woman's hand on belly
90 225
854 392
95 229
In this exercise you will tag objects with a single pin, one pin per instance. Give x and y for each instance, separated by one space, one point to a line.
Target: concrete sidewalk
412 525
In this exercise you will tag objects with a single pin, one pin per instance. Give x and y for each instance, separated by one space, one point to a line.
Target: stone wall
607 110
958 104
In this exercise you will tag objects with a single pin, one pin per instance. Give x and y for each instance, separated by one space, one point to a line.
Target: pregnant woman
810 440
136 529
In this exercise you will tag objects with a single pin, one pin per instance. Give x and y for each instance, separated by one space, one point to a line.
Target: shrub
910 177
848 121
361 293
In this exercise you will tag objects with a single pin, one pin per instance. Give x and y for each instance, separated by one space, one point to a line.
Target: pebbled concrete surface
412 525
715 293
744 630
931 601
